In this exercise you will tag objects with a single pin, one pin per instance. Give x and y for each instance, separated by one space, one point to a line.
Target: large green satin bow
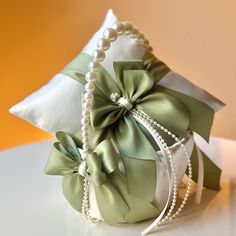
136 81
114 202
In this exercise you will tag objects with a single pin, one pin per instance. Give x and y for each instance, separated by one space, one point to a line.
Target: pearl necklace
98 55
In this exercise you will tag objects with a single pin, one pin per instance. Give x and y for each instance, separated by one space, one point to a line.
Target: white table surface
32 204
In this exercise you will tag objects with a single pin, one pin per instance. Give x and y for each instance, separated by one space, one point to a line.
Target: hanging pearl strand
186 196
146 120
98 55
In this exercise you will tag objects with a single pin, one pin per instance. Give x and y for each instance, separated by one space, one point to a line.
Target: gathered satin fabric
114 200
136 81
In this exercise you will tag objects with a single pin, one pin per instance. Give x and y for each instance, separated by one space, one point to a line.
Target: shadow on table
192 212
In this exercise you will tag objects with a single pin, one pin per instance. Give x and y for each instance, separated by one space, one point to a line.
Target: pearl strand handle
98 55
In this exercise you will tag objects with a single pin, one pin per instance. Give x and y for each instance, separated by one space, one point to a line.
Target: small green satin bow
115 203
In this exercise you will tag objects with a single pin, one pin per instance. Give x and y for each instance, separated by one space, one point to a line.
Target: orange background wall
196 38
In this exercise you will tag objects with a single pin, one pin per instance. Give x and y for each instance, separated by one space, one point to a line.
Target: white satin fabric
57 105
177 82
180 162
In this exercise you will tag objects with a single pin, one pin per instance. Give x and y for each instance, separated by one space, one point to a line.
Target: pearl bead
84 121
140 41
85 113
84 128
85 139
134 33
151 129
128 28
141 36
103 44
89 87
98 55
149 48
93 66
110 34
146 42
87 105
119 27
86 146
88 96
90 76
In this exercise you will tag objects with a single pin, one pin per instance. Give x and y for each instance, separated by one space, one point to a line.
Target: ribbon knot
82 168
94 171
122 101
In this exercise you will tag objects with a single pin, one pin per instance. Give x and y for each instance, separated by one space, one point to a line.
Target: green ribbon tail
111 205
140 209
72 186
139 158
200 115
212 172
167 110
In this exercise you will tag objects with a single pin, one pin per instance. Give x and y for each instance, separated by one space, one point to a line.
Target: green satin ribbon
115 203
136 81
